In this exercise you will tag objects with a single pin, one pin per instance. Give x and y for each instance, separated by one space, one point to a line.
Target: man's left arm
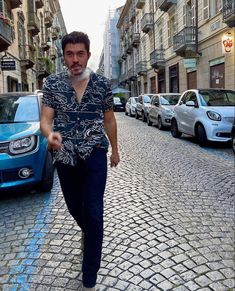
111 130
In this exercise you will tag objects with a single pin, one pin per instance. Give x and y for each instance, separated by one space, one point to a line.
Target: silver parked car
130 106
208 114
143 102
161 109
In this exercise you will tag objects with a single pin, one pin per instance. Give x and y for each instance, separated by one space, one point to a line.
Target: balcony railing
140 4
123 77
141 68
5 35
164 5
48 18
184 42
53 53
39 4
147 22
132 74
15 3
44 68
157 59
135 39
129 47
29 60
33 23
229 13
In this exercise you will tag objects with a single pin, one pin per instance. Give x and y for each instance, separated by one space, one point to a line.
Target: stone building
30 33
174 45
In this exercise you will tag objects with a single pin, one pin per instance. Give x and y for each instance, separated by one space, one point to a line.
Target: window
189 13
215 7
206 9
172 29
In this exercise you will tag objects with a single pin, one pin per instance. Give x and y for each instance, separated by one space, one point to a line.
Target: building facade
111 48
175 45
30 49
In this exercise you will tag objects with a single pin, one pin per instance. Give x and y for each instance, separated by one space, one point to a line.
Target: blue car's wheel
48 174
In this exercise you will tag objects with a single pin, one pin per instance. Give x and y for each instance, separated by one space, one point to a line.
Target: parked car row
207 114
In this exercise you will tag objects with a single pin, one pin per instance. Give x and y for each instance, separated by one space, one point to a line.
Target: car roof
20 94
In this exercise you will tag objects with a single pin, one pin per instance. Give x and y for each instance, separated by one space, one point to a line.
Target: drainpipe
196 25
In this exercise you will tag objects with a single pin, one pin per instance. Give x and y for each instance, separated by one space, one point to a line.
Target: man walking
76 116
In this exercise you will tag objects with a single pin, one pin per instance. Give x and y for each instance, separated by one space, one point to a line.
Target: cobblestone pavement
169 222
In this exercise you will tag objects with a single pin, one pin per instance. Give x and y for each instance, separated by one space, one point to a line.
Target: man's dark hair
76 37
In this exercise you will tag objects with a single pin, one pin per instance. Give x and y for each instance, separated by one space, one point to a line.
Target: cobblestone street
169 222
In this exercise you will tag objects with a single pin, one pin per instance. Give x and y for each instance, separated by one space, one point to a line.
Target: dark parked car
25 160
118 105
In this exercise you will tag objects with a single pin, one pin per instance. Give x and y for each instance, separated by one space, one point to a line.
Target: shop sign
8 65
227 43
190 63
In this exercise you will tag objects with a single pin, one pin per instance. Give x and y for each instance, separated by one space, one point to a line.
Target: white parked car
142 104
161 109
208 114
130 106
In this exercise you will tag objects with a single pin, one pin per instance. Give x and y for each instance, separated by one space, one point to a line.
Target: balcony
184 42
45 46
132 75
48 19
44 68
141 68
157 59
135 39
55 32
147 22
5 35
123 56
229 13
33 23
28 61
39 4
53 53
129 47
164 5
15 3
140 4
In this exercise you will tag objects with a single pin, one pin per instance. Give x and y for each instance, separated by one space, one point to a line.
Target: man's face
76 58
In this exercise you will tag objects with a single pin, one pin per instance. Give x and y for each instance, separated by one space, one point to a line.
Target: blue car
25 160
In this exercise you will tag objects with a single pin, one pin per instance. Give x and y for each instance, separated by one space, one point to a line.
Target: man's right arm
53 138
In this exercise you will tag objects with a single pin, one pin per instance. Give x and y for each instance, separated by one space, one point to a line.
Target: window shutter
184 15
205 9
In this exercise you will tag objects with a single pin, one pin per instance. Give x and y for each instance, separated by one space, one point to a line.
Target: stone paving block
203 281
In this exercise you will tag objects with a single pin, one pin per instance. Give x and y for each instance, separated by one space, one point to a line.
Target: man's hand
54 140
114 159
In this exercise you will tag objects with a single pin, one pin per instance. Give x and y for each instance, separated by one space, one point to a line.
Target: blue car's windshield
19 109
217 97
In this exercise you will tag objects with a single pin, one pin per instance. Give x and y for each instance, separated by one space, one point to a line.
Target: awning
119 90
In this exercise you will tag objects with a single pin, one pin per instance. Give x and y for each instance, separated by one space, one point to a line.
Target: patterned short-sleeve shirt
81 125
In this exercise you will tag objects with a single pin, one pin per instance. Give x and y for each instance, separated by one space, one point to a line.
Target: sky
89 16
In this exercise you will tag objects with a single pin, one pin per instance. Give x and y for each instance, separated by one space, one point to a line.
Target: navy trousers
83 188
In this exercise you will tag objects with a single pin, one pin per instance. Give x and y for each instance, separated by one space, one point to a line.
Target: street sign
8 65
190 63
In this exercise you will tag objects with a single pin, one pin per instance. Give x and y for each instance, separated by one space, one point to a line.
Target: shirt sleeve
108 98
48 97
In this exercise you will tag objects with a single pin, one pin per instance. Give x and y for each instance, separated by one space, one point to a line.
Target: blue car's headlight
213 115
23 145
